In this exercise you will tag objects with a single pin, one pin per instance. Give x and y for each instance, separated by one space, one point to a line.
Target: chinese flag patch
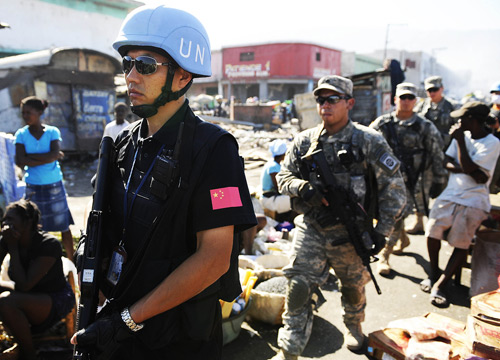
225 198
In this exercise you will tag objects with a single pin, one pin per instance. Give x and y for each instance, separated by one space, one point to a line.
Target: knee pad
297 294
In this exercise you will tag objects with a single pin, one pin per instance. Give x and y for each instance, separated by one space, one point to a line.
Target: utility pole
387 37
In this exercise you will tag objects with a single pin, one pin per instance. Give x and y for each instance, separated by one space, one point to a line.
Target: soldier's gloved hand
310 194
326 219
436 189
378 242
104 335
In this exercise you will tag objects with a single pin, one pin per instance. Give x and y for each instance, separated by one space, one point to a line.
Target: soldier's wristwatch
127 319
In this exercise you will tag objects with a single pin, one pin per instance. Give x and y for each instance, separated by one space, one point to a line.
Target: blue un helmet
171 31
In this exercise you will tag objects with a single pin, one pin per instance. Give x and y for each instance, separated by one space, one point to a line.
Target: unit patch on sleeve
388 162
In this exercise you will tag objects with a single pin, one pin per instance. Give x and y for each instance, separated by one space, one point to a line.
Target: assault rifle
406 158
91 260
344 208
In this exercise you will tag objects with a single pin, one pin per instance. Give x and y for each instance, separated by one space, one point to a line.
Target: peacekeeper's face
334 112
146 74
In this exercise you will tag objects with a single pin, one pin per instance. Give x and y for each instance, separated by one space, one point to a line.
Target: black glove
310 194
104 335
326 218
436 189
378 242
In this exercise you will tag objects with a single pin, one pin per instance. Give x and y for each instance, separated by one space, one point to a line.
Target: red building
274 71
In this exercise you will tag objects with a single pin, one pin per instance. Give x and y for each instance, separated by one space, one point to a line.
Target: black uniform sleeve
221 197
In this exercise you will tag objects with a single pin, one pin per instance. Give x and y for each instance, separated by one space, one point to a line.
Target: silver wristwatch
127 319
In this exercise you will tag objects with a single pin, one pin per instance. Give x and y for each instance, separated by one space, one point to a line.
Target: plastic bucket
231 326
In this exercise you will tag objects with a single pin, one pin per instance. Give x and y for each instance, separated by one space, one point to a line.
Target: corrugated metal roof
43 58
37 58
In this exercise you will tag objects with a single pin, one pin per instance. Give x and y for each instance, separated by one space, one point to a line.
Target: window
318 56
247 56
410 64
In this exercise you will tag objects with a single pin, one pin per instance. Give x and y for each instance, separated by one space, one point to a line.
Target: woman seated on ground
39 295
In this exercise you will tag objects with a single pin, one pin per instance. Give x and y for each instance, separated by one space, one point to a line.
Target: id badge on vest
118 258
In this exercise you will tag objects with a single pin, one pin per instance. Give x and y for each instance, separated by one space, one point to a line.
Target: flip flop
438 298
426 285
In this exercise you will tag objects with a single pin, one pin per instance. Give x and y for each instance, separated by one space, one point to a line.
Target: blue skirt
51 200
63 302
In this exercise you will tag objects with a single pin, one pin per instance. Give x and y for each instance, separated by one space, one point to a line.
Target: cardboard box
453 329
485 351
487 304
484 331
388 344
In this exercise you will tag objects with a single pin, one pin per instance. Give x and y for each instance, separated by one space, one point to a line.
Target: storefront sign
248 70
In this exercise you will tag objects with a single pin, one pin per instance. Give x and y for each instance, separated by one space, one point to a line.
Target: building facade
44 24
419 65
274 71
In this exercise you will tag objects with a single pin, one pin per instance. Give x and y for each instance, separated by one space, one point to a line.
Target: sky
461 34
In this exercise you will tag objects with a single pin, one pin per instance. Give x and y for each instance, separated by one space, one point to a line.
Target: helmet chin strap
167 95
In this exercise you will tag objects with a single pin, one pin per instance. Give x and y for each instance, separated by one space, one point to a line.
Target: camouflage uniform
317 248
439 114
418 144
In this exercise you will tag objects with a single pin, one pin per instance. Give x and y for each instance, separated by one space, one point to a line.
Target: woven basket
11 353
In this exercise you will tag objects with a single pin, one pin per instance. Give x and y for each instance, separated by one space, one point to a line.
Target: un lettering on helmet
174 31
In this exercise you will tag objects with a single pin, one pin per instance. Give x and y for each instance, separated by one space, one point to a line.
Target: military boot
383 267
354 337
418 227
284 355
402 243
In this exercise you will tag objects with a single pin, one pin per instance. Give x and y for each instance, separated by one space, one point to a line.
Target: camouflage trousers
312 257
413 205
396 233
419 196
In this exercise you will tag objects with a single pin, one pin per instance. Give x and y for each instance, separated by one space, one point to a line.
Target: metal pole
387 38
386 41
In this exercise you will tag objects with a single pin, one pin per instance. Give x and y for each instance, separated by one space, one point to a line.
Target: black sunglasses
434 89
332 99
145 65
407 97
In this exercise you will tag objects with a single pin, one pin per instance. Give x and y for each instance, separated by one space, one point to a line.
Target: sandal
426 285
438 298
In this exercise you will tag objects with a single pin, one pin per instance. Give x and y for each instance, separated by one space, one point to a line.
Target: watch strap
127 319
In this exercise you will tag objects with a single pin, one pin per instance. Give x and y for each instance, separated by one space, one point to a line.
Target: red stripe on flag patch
225 198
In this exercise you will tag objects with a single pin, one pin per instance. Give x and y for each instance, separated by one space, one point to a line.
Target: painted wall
42 24
280 60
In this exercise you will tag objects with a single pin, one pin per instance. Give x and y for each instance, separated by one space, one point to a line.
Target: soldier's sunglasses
332 99
145 65
407 97
434 89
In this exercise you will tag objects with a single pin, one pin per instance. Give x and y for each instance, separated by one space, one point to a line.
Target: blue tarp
13 189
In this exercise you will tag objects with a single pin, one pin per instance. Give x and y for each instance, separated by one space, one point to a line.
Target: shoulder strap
130 131
392 136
